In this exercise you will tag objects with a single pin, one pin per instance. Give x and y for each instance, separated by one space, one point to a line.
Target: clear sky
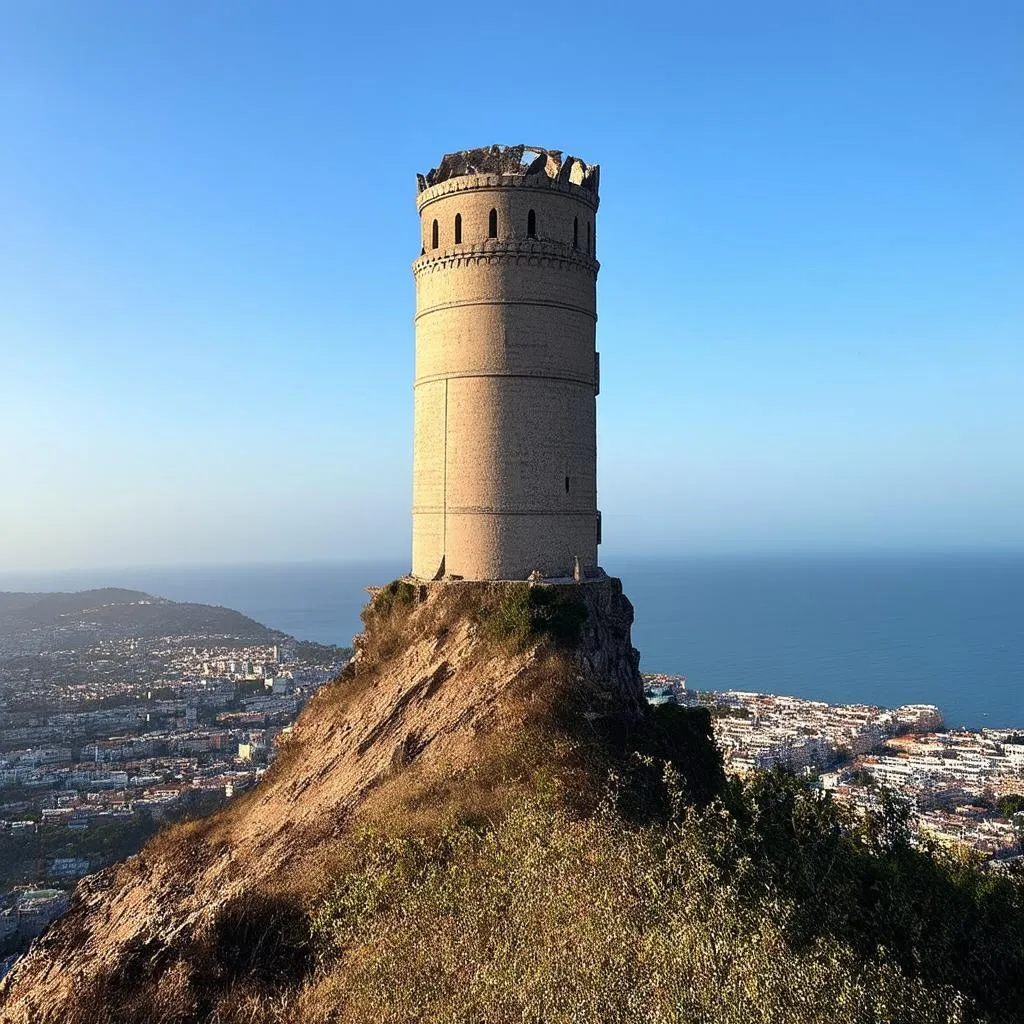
811 297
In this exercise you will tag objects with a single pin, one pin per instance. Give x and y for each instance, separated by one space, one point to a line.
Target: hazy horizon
608 561
883 628
811 296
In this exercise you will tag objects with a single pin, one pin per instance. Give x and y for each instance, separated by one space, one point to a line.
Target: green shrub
522 614
384 617
397 594
1010 804
682 738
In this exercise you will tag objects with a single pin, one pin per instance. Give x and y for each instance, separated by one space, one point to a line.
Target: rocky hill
482 821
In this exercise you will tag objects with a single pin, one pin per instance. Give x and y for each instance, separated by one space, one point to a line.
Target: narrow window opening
575 232
458 229
566 485
531 225
433 236
492 224
589 246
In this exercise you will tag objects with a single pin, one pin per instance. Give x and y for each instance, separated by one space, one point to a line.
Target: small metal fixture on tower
505 437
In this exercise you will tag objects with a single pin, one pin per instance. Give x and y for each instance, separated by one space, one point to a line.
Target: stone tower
505 445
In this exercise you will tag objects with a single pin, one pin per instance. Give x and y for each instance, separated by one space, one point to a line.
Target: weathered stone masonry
505 446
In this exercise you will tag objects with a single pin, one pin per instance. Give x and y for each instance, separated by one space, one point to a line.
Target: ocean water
946 630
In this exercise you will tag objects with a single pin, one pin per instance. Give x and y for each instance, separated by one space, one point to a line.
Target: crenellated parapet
484 182
506 166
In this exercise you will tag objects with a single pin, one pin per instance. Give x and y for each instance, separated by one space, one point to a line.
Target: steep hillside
427 692
482 821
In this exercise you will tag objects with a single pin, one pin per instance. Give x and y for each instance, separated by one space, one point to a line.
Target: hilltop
143 615
480 819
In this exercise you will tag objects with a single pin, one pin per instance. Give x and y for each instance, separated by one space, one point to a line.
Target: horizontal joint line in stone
439 510
457 303
434 377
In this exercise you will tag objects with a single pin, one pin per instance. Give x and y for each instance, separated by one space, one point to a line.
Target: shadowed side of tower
505 447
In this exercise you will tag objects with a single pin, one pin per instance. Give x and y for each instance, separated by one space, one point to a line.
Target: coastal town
121 713
111 727
965 787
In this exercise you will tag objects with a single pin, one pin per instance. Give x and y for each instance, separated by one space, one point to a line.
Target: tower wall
505 445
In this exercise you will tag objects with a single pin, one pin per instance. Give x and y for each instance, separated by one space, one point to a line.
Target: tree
1010 804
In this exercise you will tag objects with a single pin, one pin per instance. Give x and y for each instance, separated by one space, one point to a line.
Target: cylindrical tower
505 447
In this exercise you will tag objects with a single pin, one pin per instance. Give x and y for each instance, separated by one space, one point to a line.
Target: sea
880 629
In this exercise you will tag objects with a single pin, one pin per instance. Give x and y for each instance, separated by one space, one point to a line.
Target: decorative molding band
495 182
461 374
440 307
526 252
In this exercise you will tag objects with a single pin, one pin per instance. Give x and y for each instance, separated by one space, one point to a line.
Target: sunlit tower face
505 447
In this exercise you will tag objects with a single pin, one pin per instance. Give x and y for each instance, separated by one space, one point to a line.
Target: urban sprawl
965 787
103 741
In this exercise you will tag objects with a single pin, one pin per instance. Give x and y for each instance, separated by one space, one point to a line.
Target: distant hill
141 614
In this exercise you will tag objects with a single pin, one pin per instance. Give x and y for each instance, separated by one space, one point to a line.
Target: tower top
507 161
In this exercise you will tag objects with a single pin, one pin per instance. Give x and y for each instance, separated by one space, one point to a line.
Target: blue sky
811 297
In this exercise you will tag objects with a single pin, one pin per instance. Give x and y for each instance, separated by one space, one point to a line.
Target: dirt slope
431 686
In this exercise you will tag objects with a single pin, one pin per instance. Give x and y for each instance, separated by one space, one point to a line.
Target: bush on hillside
397 594
1010 804
522 614
384 617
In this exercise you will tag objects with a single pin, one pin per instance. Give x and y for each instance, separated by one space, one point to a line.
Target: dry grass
550 918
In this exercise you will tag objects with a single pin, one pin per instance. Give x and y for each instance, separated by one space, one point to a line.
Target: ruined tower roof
508 160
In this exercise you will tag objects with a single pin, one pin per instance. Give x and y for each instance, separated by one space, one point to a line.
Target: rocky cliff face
445 675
